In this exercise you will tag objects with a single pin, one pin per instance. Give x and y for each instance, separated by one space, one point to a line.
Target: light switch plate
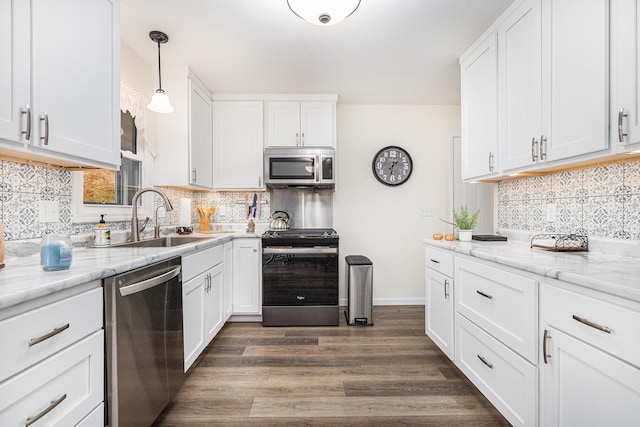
426 212
48 210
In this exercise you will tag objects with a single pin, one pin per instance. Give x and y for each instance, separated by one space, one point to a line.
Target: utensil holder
205 225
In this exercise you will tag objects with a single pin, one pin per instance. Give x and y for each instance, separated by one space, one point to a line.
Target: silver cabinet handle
484 295
45 118
150 283
302 142
27 131
490 365
259 181
194 175
593 325
446 289
545 337
621 133
435 261
45 411
490 161
297 140
543 151
56 331
534 155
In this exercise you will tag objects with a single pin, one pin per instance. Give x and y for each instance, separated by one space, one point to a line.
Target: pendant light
160 101
323 12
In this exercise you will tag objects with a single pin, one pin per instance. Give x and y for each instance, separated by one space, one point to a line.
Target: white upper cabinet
575 64
520 87
479 78
625 74
237 144
185 153
293 123
59 92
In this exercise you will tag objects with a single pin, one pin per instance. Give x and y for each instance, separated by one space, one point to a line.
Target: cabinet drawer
439 260
73 377
506 379
561 305
64 322
502 303
194 264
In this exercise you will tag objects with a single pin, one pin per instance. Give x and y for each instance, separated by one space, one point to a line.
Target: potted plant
464 222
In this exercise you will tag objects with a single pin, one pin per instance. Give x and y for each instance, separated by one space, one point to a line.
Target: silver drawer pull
485 362
593 325
50 408
56 331
545 356
484 295
435 261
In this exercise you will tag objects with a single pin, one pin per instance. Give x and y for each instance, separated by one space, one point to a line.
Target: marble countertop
23 279
613 274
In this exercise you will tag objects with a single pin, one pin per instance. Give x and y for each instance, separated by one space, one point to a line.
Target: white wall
384 223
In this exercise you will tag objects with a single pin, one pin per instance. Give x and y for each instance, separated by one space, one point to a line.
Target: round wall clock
392 165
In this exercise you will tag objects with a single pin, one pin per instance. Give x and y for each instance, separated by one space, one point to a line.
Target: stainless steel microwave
297 166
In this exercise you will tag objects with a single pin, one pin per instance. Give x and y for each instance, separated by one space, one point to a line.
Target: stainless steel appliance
299 166
144 342
300 277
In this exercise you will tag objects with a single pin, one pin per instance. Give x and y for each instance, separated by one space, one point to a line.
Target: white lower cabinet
590 371
439 307
227 282
201 300
59 391
247 283
505 378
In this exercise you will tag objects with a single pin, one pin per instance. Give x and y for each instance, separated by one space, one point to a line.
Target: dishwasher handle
150 283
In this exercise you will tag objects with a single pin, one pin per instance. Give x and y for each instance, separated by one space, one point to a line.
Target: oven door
299 276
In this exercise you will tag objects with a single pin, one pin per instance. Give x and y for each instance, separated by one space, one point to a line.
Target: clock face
392 166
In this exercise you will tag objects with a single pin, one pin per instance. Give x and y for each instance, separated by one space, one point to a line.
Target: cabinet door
283 124
582 386
193 309
479 86
227 285
200 137
439 311
75 78
625 73
247 289
575 77
237 141
317 124
213 303
520 44
14 68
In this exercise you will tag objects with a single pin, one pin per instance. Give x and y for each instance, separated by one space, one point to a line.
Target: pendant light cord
159 72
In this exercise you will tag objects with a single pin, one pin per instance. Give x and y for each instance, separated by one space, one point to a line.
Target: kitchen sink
161 242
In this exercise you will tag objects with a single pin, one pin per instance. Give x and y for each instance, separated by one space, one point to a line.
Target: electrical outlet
551 212
426 212
48 211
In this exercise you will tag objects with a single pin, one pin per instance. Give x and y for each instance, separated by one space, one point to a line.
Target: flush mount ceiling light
323 12
160 101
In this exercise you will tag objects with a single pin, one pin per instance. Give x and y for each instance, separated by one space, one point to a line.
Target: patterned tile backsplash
601 201
22 186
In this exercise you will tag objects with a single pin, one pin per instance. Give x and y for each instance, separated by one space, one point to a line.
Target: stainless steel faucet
135 231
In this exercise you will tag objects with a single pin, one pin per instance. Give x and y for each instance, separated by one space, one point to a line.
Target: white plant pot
464 235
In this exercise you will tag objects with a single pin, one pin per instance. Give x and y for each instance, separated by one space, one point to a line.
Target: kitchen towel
184 215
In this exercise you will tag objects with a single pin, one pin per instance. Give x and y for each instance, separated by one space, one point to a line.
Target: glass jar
55 252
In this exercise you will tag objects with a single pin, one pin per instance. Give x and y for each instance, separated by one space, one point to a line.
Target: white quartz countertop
613 274
23 279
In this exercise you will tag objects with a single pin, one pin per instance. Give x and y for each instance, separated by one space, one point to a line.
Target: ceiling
387 52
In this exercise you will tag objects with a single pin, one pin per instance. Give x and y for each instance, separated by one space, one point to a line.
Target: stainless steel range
300 277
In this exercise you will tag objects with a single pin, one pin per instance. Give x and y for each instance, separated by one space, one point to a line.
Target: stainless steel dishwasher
144 342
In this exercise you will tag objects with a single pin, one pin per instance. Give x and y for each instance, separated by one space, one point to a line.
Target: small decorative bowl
184 230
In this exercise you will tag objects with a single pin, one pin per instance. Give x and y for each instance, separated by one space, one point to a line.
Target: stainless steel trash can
359 279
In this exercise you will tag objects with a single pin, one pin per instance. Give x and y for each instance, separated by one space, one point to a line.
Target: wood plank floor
389 374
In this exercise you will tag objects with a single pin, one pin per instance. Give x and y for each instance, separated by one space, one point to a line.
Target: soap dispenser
101 233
